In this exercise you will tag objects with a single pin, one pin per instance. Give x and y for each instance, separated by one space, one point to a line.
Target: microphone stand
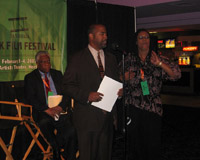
124 106
126 119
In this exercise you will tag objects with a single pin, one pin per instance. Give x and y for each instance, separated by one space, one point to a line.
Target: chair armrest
19 107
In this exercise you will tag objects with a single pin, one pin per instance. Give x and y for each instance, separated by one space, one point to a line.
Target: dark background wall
119 21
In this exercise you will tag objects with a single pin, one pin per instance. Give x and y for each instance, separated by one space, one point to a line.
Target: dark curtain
79 16
119 21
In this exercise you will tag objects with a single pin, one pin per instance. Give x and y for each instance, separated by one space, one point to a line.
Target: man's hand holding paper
120 92
54 110
95 97
110 89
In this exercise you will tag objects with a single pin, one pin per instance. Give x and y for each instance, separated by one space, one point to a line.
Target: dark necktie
101 70
47 84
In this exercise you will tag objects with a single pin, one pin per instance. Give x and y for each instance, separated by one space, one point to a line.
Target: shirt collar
94 51
43 74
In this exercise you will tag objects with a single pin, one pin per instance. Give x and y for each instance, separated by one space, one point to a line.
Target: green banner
27 26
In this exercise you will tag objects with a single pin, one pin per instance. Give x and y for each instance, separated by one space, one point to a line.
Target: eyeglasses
143 37
43 62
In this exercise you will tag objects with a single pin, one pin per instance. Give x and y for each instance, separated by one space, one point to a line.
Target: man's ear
91 36
37 64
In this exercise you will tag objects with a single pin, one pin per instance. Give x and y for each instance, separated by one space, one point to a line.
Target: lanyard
144 84
142 74
45 83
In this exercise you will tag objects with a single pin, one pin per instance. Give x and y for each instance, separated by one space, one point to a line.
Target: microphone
116 47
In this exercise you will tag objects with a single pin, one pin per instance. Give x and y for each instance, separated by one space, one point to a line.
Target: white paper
54 101
109 87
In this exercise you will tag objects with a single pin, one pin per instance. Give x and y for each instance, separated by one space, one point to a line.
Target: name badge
145 88
50 93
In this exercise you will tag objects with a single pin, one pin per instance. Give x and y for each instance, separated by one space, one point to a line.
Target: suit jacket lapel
92 61
38 75
41 89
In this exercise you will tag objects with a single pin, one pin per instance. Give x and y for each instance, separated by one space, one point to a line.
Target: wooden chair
28 122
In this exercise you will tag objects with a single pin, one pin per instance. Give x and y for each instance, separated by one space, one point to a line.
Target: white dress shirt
95 54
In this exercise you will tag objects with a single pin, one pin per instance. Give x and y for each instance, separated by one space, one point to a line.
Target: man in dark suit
81 81
38 85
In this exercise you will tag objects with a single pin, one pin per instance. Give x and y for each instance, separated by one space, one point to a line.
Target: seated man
40 83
